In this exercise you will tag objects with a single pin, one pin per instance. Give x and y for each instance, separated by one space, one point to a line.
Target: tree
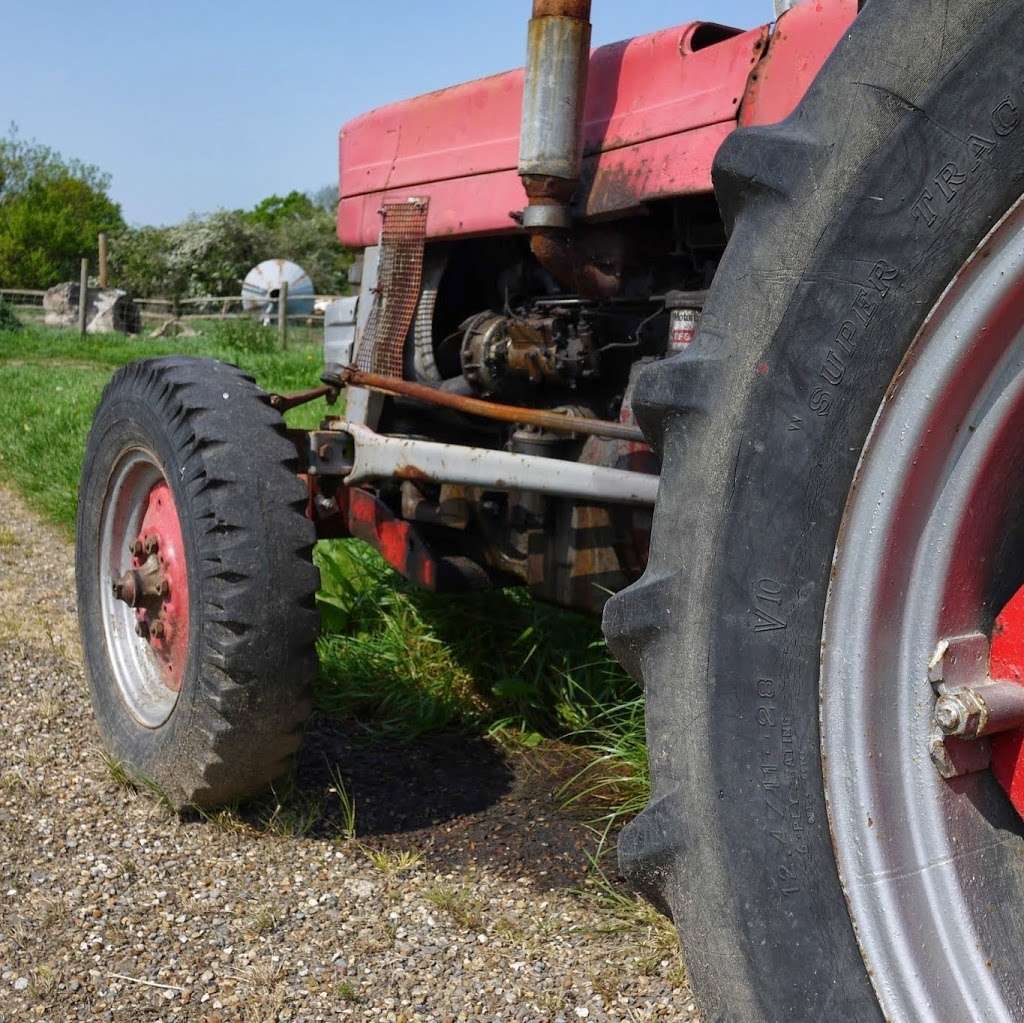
276 210
210 255
312 242
302 229
139 262
51 209
325 198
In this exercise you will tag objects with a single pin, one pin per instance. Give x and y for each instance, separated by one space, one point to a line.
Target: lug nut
152 545
951 715
157 630
961 713
137 549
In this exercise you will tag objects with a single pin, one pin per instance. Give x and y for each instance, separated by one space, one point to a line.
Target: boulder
109 309
60 304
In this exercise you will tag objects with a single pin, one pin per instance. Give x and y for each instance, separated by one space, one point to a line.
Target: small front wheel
196 585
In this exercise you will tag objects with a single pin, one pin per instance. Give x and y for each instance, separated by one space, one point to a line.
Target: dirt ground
464 893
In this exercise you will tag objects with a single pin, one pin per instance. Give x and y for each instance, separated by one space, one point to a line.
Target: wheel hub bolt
127 588
152 545
137 549
157 630
951 715
971 712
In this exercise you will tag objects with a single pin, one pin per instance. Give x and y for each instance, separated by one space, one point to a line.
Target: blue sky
193 106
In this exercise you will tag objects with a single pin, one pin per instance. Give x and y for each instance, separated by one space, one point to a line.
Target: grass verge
52 380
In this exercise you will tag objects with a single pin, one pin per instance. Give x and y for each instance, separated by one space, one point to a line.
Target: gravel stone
111 908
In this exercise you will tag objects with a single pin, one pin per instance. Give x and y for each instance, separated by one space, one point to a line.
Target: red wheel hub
158 559
1006 663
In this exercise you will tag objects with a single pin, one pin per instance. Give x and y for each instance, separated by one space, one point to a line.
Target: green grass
412 661
398 660
51 382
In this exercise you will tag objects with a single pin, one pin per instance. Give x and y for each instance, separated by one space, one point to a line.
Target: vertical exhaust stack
550 147
551 141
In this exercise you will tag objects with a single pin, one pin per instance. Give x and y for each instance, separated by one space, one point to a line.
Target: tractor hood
658 107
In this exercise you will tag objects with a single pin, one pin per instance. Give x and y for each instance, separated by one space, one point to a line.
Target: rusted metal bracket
329 453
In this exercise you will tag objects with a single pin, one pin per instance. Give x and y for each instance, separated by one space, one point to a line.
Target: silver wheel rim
136 670
933 871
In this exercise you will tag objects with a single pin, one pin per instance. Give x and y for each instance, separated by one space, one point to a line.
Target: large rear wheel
841 492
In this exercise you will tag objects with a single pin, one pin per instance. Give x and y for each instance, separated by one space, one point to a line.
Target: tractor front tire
849 221
196 585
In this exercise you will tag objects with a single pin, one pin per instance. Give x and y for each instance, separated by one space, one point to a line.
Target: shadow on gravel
460 801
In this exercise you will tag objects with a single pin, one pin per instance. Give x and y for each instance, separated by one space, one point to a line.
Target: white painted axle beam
378 457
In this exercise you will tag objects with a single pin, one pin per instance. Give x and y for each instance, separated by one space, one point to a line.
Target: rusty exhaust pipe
551 142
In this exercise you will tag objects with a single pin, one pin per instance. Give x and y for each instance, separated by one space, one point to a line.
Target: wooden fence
204 308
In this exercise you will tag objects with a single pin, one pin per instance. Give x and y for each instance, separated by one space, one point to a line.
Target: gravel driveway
454 901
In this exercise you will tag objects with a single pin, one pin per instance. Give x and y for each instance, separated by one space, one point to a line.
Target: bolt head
951 715
152 545
137 549
960 713
157 630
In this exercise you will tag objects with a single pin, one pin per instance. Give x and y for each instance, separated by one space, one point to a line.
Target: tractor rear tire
848 223
196 585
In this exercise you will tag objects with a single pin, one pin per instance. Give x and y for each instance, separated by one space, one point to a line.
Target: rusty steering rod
558 422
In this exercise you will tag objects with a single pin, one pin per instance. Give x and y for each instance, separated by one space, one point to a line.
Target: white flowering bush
210 255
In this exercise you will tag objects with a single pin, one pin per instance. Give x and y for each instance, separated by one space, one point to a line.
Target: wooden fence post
103 258
83 296
282 315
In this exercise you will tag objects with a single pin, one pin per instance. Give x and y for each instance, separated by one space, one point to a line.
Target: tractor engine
527 244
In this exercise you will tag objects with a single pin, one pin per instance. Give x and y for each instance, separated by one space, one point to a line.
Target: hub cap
932 546
144 588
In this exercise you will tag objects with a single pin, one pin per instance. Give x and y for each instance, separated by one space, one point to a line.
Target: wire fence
186 317
27 301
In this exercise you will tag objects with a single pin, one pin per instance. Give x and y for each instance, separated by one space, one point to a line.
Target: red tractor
766 286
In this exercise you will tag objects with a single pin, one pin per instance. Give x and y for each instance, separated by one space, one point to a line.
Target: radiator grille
398 287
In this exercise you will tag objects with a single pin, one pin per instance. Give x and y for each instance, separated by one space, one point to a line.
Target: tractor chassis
344 463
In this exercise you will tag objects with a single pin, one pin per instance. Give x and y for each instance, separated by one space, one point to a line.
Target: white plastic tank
262 289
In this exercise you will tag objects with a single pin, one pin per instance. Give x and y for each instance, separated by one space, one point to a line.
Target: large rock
108 309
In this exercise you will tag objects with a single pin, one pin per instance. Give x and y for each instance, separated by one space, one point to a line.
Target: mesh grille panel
398 287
